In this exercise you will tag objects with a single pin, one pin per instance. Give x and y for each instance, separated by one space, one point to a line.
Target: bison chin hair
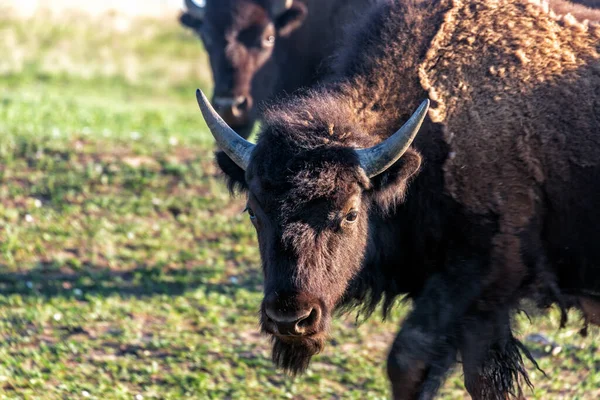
294 356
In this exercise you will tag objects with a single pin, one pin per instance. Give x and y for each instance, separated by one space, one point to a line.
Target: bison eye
269 41
251 213
352 216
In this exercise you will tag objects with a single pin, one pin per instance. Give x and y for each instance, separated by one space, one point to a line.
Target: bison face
312 237
312 204
314 221
240 37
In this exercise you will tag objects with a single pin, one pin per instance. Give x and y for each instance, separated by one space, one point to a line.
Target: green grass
125 267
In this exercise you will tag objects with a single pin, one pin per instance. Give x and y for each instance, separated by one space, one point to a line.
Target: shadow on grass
142 281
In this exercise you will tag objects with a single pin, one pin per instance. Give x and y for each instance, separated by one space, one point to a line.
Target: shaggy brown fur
503 194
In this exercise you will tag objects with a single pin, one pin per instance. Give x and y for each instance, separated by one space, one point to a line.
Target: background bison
259 49
503 200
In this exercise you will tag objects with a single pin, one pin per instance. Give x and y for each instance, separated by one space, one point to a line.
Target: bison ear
189 21
291 19
389 187
235 176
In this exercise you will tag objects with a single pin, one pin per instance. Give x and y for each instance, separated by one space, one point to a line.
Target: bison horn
236 147
378 158
280 6
194 9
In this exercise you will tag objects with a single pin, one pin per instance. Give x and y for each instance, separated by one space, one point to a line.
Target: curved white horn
235 146
378 158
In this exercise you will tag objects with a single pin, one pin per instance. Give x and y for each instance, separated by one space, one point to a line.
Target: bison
261 48
495 201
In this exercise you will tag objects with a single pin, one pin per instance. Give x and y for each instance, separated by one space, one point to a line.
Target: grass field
126 270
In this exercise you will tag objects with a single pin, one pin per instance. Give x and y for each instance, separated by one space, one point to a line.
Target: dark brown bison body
259 49
496 201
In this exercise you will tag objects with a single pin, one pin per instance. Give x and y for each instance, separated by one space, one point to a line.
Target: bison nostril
236 107
293 325
240 101
239 106
309 321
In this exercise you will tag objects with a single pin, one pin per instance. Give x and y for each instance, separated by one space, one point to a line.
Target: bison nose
292 321
236 106
294 324
239 108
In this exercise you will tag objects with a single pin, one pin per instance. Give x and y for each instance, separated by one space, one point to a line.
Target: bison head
240 36
311 206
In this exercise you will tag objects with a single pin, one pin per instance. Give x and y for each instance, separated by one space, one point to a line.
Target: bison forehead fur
503 205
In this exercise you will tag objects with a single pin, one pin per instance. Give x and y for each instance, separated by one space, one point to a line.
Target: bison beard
294 356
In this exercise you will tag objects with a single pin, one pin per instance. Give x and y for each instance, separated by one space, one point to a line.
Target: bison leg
492 362
424 350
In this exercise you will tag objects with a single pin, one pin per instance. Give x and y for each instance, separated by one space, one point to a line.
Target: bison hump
514 87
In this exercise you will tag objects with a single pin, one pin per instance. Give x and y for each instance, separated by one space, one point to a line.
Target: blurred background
126 270
148 8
